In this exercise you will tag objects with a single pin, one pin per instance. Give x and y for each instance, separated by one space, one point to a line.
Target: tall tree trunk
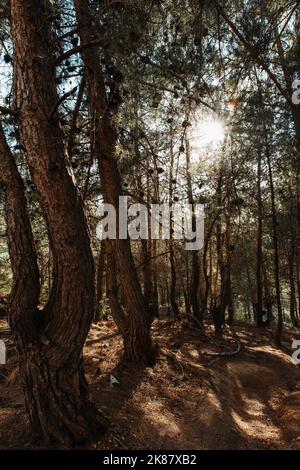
267 295
173 280
226 288
220 303
291 265
259 260
146 247
195 258
275 245
293 303
155 298
56 392
274 222
137 341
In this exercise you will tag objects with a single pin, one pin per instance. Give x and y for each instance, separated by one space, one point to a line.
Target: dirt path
189 400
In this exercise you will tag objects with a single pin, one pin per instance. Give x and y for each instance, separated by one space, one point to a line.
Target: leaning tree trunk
24 297
137 341
51 364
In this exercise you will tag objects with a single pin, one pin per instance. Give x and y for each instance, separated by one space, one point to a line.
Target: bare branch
81 47
60 101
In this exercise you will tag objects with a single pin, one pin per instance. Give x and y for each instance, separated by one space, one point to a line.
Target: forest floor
188 400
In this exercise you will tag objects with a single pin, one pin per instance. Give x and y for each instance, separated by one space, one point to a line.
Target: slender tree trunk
293 303
100 279
274 225
173 280
220 304
209 279
259 260
137 341
249 287
56 392
267 296
291 263
228 294
147 274
195 257
155 299
112 289
276 250
146 245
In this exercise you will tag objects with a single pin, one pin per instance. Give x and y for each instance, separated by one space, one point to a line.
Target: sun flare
211 132
206 136
208 133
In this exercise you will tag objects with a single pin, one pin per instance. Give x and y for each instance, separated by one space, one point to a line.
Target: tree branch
60 101
254 54
80 48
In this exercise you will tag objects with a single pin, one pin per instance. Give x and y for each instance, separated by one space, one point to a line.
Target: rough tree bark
137 338
24 297
51 363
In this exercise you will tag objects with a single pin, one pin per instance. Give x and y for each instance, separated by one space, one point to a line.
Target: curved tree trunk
138 343
24 297
51 364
